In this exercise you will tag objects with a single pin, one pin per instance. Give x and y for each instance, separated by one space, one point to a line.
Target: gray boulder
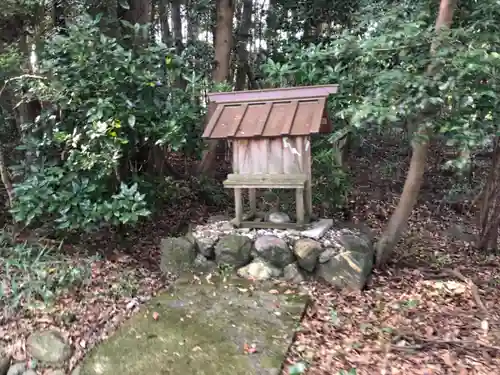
307 251
274 250
177 254
56 372
205 242
202 264
259 269
355 241
206 246
4 361
278 217
351 266
327 254
17 368
233 250
48 347
293 274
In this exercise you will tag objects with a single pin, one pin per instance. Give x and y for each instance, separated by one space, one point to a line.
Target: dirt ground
432 311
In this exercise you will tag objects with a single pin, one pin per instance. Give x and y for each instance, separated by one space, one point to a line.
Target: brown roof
269 113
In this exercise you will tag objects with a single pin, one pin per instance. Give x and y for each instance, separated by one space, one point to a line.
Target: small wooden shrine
270 132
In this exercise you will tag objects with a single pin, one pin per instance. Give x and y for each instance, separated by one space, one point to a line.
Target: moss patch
202 329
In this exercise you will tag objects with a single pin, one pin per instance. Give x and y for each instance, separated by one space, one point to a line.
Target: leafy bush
381 64
330 181
73 202
32 275
10 61
111 106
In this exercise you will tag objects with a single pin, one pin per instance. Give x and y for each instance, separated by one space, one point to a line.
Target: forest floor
433 311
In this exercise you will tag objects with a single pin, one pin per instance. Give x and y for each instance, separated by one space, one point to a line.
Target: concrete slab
203 329
317 229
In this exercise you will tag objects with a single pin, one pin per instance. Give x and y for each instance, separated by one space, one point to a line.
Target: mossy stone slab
202 328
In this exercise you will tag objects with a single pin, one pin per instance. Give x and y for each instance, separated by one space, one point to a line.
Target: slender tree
420 147
243 38
223 46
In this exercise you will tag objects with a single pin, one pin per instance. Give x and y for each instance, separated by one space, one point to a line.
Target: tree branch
7 81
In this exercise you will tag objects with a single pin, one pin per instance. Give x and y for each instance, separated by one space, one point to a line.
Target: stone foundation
341 257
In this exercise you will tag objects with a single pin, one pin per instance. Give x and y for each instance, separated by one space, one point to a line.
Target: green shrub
33 275
111 105
331 182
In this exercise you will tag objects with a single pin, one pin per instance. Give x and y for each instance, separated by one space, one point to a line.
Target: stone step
203 328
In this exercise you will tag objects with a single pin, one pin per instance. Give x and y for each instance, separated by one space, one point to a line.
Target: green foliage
32 275
330 182
382 66
109 104
192 189
10 61
73 202
298 368
351 371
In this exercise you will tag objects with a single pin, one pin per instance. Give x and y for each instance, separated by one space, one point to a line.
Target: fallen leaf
133 303
448 360
249 349
484 327
156 315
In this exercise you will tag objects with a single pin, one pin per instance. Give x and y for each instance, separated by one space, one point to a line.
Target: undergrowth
33 275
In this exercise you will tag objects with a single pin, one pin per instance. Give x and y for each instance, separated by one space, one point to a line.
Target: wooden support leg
238 207
308 199
252 196
299 201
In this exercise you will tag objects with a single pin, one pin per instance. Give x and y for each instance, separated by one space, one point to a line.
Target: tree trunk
193 22
4 175
153 20
489 215
420 145
224 36
272 23
177 34
166 36
177 26
243 38
139 12
28 109
58 17
108 23
11 32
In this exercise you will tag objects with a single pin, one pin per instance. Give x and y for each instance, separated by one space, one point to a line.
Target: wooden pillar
238 207
252 196
299 201
307 168
308 199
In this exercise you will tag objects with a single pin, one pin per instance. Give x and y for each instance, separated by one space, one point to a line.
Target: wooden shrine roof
269 113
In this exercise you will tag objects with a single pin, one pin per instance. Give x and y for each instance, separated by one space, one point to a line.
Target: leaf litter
434 311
